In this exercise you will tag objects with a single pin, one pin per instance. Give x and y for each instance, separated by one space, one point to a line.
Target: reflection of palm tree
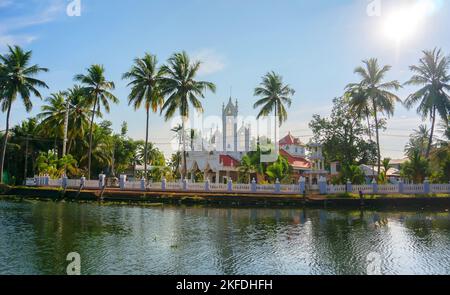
17 80
374 92
98 90
182 90
145 82
432 75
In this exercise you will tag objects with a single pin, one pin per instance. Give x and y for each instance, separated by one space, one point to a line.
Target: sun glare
403 22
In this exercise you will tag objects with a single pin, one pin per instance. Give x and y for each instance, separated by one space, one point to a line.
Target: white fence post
374 186
426 186
122 181
322 185
253 185
163 184
185 181
64 181
101 180
207 185
401 186
230 185
143 183
349 187
277 186
46 180
302 184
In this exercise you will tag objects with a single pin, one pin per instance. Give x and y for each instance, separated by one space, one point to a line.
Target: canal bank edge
232 199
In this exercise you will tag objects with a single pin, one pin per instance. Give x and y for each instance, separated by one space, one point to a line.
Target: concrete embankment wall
413 202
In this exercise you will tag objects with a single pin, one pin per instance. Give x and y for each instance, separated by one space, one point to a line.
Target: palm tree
182 90
374 92
245 168
98 90
17 79
274 95
148 153
416 169
52 115
79 113
360 105
145 82
432 74
418 141
280 169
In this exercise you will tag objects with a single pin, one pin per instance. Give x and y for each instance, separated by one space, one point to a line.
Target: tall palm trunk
275 130
5 141
378 139
184 173
91 128
146 143
369 130
430 142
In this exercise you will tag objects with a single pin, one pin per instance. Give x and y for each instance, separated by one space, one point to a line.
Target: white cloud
10 26
212 62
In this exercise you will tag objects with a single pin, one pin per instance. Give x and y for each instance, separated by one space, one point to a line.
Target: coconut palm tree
360 105
274 96
245 169
98 91
418 141
375 92
79 113
17 80
52 115
145 89
432 74
148 153
183 90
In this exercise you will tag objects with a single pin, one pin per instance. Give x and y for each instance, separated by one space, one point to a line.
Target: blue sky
314 45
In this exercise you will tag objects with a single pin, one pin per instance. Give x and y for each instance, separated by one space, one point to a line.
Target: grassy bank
440 201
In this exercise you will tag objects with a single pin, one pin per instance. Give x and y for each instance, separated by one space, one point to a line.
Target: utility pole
66 125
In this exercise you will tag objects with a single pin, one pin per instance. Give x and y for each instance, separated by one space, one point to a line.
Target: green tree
98 90
17 79
374 91
418 141
145 89
353 173
246 168
280 169
182 90
432 74
416 169
48 163
274 96
341 136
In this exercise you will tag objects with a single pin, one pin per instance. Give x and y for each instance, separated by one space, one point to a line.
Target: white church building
219 156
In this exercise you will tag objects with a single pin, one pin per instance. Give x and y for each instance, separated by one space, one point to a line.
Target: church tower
229 121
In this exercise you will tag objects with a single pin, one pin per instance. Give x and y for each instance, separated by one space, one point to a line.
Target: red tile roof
289 139
295 161
228 161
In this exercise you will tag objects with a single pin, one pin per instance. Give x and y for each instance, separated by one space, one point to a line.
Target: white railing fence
277 188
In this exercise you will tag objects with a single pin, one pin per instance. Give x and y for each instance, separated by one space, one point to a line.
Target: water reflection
37 236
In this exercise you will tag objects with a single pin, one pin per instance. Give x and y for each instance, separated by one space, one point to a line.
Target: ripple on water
194 240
